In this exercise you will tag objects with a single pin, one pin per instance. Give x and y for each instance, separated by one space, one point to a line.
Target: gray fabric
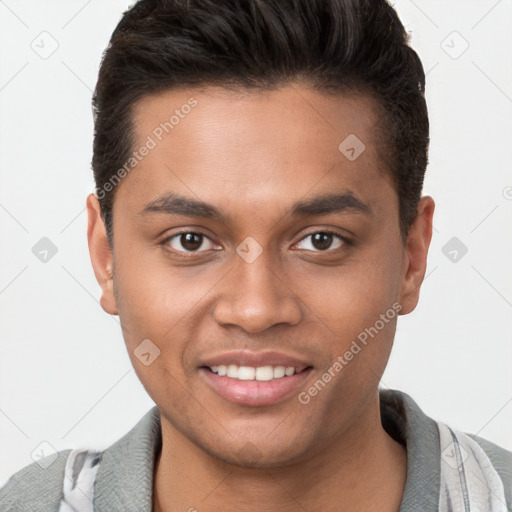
422 485
34 489
125 475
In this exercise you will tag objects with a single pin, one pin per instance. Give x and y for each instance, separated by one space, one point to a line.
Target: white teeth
279 371
232 371
264 373
246 373
261 373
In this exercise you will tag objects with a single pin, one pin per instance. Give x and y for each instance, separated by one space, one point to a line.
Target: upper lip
255 359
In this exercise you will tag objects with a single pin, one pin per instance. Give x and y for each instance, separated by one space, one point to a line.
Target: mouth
258 385
259 373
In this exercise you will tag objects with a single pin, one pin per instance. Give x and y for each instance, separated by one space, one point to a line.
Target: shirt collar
402 418
125 475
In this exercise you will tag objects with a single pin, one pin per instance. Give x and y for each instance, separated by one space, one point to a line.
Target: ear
101 254
415 255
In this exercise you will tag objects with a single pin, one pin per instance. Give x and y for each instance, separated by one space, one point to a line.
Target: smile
255 386
260 373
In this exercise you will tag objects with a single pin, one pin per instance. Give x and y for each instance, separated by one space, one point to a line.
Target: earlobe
415 257
101 254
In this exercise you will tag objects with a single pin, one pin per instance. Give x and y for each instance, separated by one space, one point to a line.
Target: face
258 237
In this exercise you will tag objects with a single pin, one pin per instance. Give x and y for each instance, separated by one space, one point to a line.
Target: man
258 226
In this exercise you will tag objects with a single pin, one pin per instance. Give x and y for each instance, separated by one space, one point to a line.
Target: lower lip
252 392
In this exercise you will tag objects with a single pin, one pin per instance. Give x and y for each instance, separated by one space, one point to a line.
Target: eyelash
344 239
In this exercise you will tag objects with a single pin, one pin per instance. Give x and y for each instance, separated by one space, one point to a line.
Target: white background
65 377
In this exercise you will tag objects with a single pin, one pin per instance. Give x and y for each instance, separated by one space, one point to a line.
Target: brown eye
322 241
189 242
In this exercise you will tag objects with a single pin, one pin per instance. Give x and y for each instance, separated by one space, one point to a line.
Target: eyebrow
174 204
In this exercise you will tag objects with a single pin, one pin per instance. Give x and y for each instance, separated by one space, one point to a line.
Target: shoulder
36 487
119 475
501 460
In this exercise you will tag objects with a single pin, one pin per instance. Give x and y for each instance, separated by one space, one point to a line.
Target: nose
255 296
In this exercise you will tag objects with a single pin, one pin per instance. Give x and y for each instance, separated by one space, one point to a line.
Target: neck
364 469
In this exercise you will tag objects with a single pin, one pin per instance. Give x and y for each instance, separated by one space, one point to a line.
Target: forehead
259 147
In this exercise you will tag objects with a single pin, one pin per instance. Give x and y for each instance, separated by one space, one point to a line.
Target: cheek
358 314
164 305
152 297
352 297
355 309
153 306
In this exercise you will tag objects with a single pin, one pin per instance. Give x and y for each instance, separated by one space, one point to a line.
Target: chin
253 455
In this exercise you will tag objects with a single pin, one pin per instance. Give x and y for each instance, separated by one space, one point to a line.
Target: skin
254 155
